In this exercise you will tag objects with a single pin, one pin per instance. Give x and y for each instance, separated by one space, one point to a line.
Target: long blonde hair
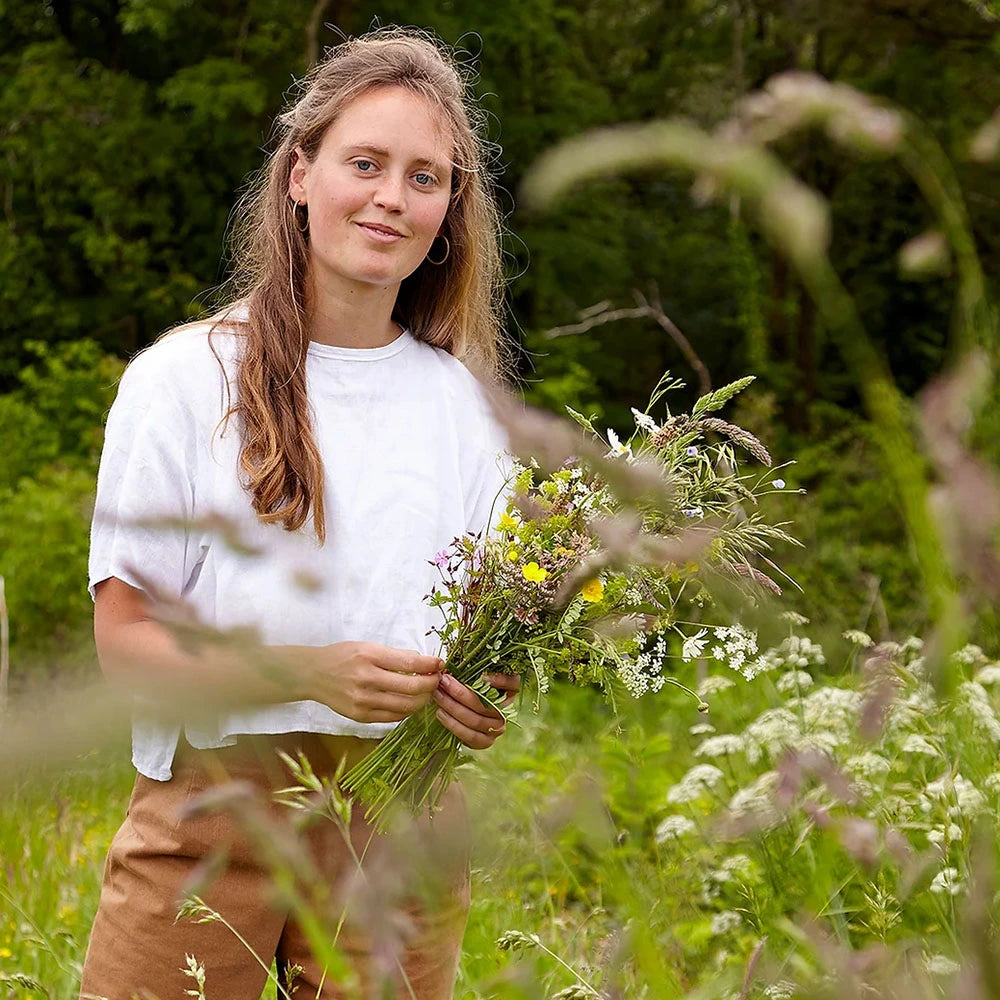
455 305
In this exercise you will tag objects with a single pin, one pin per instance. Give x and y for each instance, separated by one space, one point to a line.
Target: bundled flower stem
551 593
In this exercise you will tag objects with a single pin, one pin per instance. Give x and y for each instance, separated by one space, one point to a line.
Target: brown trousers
397 920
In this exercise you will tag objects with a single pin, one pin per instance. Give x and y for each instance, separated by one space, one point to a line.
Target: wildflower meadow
757 749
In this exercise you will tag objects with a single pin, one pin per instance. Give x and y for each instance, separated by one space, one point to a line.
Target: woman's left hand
462 712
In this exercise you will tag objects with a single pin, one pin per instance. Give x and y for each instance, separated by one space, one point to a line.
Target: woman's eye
365 166
424 180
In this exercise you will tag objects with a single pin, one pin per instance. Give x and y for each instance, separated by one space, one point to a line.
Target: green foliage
44 537
54 419
856 568
129 127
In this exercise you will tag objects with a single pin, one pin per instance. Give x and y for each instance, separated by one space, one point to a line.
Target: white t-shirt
412 459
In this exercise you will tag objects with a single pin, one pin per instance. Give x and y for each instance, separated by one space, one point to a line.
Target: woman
291 467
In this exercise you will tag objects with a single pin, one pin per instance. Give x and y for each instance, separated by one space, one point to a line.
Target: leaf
489 696
583 421
573 611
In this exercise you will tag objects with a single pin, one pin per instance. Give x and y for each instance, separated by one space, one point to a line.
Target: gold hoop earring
447 251
301 219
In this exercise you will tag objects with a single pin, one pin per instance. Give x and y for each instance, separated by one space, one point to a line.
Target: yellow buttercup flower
513 554
508 523
593 590
533 572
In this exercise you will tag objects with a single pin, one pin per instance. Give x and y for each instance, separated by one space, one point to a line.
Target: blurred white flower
940 965
952 833
779 484
794 618
868 765
714 684
915 743
578 991
992 782
970 801
794 680
781 990
772 731
975 700
702 728
947 883
989 675
720 746
724 922
830 707
757 799
859 638
969 656
698 782
915 710
960 795
673 828
735 869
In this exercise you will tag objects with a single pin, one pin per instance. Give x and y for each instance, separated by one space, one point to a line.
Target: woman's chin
381 270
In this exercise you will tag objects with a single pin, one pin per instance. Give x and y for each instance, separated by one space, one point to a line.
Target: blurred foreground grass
804 821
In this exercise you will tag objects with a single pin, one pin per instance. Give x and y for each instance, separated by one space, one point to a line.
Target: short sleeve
146 485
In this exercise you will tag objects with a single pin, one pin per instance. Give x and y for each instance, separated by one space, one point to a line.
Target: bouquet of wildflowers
580 582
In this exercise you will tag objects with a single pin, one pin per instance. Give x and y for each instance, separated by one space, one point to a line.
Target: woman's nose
390 193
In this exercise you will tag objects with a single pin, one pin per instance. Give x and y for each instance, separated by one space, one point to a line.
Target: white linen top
412 459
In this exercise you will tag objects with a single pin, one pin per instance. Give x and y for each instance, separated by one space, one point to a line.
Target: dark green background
127 129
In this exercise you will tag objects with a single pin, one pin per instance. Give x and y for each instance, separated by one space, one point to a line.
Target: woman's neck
352 316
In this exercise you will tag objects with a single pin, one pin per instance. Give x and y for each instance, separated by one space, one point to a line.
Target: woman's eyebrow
380 151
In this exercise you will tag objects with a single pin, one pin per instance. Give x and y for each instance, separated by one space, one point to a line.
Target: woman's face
377 191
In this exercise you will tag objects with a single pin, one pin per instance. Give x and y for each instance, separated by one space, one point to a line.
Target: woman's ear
297 176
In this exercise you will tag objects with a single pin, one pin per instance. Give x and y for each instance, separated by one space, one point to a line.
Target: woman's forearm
148 658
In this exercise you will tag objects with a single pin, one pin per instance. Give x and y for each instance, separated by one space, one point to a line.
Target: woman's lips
381 234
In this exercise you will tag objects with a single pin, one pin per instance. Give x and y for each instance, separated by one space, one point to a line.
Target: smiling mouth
384 232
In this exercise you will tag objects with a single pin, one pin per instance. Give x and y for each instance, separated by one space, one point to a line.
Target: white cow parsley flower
698 782
724 922
673 828
720 746
859 638
947 883
644 421
714 684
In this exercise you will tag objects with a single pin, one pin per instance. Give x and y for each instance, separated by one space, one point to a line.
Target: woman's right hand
368 682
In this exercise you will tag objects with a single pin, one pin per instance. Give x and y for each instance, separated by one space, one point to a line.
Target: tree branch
313 26
601 314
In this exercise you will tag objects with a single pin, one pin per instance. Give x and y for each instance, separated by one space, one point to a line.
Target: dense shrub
52 424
